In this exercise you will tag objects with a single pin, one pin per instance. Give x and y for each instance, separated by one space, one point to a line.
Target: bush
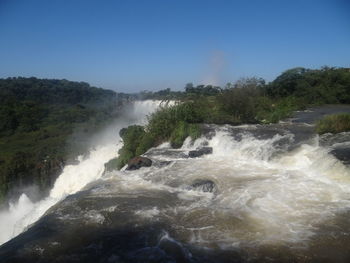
182 131
334 123
240 103
163 122
147 141
172 124
272 111
124 156
178 135
176 123
132 137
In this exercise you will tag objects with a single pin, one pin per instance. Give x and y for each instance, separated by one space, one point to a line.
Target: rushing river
267 193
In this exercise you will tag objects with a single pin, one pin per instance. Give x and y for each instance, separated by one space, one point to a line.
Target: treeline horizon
247 101
298 81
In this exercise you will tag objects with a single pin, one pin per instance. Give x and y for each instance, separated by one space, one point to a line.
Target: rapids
280 195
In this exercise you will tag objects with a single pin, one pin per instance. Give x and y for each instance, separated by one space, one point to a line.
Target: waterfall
73 178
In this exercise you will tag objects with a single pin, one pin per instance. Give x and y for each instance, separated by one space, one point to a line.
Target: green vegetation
132 137
249 100
334 123
45 123
172 124
325 86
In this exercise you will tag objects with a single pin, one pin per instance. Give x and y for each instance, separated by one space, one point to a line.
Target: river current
278 193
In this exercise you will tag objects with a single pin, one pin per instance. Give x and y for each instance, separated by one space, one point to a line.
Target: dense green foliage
334 123
132 137
327 85
249 100
172 124
44 123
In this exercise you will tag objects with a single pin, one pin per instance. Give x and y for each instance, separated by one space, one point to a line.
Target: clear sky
150 45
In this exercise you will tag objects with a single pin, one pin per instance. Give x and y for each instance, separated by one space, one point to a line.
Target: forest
44 124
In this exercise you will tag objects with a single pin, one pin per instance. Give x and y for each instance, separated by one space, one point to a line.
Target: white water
74 177
266 195
285 198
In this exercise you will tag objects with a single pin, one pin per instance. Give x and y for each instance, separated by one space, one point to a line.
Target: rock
200 152
342 154
138 162
204 185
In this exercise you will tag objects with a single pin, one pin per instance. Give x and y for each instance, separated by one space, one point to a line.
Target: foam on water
266 193
282 198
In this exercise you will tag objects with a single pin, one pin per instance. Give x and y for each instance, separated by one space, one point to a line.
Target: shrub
334 123
194 131
132 137
148 141
163 122
240 103
173 123
179 134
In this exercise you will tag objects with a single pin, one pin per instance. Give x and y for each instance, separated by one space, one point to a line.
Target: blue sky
150 45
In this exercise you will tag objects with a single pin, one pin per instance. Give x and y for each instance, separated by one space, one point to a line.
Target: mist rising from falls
74 177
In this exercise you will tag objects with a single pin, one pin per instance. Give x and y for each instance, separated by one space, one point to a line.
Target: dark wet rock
204 185
138 162
314 114
339 145
342 154
200 152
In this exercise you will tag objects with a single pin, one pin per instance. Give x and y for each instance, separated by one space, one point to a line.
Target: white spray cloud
215 71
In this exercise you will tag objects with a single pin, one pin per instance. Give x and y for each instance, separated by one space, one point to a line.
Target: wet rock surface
203 185
138 162
200 152
342 154
314 114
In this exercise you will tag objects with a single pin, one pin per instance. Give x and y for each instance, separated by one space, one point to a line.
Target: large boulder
200 152
138 162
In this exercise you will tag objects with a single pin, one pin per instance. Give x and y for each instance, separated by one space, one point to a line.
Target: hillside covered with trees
45 123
